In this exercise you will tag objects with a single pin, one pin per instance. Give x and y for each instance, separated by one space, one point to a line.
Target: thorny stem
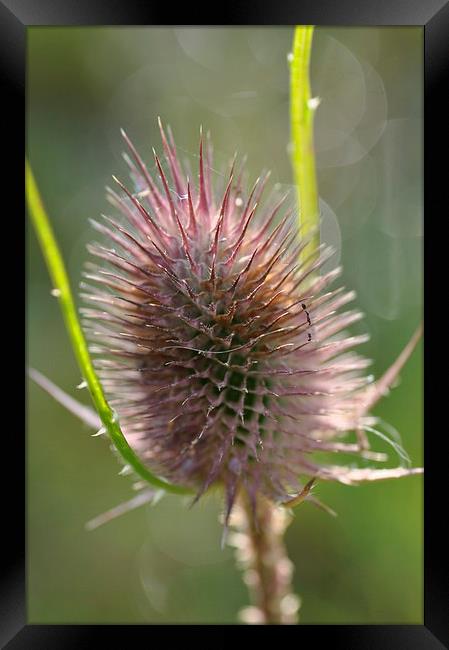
258 536
302 109
261 553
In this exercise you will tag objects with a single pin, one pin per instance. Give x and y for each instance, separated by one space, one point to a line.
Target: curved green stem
302 109
58 274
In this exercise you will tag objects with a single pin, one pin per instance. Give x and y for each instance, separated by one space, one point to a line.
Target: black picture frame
433 15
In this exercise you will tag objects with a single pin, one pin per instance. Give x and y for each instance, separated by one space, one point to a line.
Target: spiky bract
220 350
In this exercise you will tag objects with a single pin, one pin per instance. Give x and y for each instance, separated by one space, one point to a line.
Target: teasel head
221 346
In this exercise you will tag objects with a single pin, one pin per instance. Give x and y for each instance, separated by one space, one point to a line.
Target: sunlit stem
58 274
302 110
260 552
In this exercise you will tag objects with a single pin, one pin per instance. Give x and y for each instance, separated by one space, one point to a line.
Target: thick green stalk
58 274
302 109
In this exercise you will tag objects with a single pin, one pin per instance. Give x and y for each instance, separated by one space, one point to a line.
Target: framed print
225 395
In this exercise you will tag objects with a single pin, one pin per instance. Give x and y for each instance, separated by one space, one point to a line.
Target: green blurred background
164 563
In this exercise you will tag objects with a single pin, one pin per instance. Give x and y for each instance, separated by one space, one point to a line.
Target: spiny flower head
220 346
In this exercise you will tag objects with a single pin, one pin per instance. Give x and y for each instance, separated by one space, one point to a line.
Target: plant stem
302 109
258 536
261 554
58 274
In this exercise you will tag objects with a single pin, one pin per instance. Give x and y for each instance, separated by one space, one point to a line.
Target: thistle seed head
220 347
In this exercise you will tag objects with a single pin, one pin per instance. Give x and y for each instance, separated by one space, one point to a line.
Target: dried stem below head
261 553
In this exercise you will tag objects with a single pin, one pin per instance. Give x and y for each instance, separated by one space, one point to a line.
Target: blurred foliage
164 564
